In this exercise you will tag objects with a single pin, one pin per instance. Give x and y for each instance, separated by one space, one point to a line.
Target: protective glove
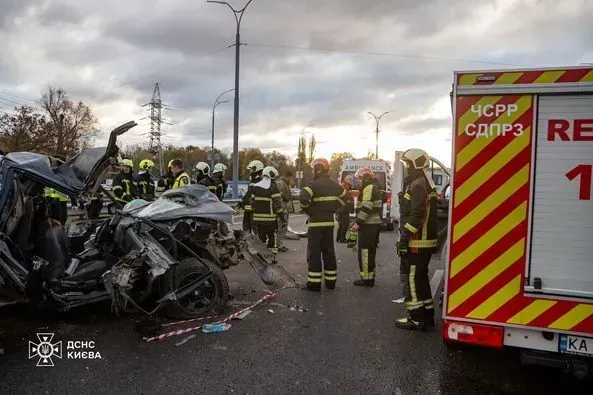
351 239
403 243
402 247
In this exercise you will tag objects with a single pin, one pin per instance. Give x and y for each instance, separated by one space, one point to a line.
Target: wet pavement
344 343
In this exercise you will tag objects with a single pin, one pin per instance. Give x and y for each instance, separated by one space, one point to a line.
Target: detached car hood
191 201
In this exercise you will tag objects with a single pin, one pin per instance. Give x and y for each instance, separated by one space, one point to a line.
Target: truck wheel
208 298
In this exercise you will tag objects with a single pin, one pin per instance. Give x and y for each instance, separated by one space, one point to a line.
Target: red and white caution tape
269 295
187 321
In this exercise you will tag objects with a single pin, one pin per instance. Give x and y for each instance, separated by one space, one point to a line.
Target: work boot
306 287
410 324
283 248
364 283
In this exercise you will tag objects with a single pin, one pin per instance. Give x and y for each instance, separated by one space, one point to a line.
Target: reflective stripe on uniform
330 275
407 196
413 303
423 243
320 224
309 190
410 228
314 277
262 199
325 199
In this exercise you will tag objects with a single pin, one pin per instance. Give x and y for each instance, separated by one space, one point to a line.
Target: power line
374 53
18 96
11 101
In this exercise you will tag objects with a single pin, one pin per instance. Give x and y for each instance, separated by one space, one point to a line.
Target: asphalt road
344 343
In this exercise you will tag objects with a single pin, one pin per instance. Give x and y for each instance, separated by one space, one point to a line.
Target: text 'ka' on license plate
575 345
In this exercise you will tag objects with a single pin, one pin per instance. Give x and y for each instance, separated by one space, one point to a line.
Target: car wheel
209 298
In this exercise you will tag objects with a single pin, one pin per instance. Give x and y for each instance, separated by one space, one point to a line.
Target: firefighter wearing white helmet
144 180
255 168
266 204
202 171
218 177
417 240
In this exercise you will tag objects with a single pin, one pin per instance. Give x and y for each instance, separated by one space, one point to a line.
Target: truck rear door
561 255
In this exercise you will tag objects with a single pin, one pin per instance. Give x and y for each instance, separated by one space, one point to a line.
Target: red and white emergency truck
520 256
382 171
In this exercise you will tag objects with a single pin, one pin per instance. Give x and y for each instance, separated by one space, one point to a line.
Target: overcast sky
316 62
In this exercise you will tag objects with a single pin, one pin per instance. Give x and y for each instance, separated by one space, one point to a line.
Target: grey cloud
132 45
59 12
10 9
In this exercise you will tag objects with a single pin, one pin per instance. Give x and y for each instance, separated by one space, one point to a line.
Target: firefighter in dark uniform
202 170
368 226
256 168
417 240
180 177
166 181
266 203
124 186
144 180
218 177
320 200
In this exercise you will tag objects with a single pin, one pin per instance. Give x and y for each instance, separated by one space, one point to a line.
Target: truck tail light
476 334
388 198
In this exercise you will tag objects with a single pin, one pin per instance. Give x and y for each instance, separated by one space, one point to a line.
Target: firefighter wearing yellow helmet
123 186
144 180
417 240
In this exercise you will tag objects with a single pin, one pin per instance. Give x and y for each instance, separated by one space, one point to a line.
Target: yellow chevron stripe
507 78
471 253
488 274
531 312
481 176
588 77
479 143
470 116
490 204
549 77
574 317
469 79
494 302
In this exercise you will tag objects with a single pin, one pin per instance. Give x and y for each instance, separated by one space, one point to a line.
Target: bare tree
70 127
23 130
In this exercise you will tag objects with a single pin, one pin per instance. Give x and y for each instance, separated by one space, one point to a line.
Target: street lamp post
216 103
238 17
377 119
